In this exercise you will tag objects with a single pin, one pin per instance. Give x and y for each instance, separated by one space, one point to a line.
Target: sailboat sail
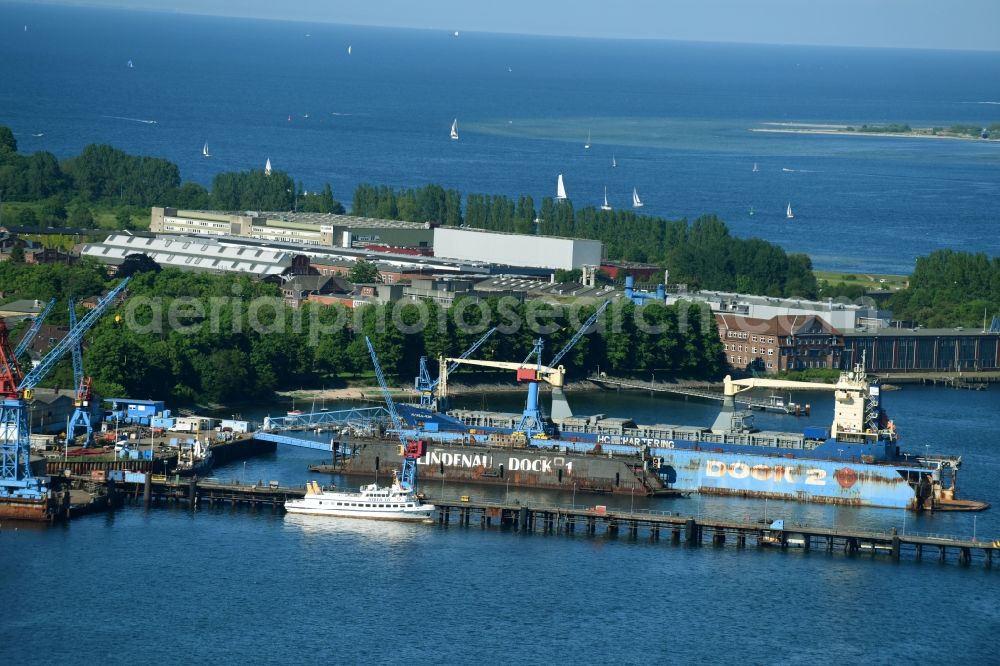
755 167
613 162
788 211
204 150
605 206
560 189
267 167
587 145
454 130
636 202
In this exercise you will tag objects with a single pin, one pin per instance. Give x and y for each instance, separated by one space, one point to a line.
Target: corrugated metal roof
189 254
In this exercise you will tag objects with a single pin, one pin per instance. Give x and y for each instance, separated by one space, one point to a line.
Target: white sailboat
605 206
204 150
755 167
613 162
454 130
586 146
348 50
788 211
560 189
636 201
267 167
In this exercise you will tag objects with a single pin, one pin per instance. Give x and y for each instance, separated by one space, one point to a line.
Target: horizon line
453 29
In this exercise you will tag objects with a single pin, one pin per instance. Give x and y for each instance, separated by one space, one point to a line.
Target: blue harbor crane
83 395
425 386
16 478
36 326
640 297
532 420
411 450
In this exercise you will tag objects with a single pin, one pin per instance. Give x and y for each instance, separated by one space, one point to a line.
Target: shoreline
831 131
454 389
892 381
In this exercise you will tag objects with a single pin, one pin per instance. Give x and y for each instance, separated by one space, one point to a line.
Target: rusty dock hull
16 508
551 468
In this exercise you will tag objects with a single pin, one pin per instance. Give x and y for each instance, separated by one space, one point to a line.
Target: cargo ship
857 461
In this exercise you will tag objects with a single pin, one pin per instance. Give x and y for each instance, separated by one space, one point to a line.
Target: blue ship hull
800 479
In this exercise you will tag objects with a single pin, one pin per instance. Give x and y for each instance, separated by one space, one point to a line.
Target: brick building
780 343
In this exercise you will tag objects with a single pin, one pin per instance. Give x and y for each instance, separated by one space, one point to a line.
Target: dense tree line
190 337
63 193
431 203
701 253
950 288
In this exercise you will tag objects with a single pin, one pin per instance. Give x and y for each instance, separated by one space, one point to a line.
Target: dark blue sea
216 585
675 116
219 585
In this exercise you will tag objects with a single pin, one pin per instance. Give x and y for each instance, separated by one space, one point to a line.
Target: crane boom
467 353
16 477
39 372
35 327
397 423
583 330
410 450
734 386
77 350
425 385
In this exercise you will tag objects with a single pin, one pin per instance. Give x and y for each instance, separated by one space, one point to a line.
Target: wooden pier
592 520
162 489
654 526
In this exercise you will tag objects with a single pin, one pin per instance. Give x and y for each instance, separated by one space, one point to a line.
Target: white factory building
495 247
840 315
325 229
193 254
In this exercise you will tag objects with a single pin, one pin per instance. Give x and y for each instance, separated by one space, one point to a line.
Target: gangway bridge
771 403
357 421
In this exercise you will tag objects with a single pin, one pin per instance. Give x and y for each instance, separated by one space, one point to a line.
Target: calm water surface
676 117
239 586
250 587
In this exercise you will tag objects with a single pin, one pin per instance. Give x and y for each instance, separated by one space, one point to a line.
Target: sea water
675 116
241 586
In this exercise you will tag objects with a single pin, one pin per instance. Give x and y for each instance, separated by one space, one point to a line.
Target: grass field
870 281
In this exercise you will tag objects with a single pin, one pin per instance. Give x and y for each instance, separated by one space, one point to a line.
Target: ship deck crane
425 386
857 417
532 421
411 450
83 395
16 478
36 326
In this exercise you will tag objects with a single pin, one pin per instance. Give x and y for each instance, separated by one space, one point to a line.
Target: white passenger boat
372 501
